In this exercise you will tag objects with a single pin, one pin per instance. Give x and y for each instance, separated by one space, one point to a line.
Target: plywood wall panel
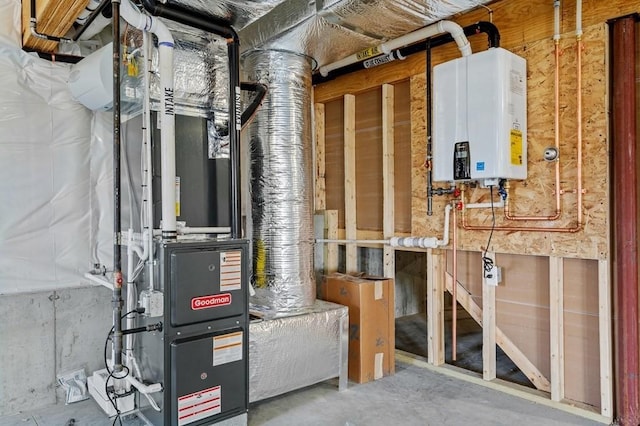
581 333
369 160
535 195
334 158
469 273
418 152
522 306
402 156
522 300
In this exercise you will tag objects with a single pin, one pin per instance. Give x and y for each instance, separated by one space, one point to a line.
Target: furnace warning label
230 270
516 147
227 348
199 405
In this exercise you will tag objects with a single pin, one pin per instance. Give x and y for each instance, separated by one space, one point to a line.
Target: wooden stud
488 326
435 306
509 348
556 332
388 184
320 196
350 181
606 366
331 233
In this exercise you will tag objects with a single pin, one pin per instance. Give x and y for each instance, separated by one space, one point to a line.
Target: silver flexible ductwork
281 182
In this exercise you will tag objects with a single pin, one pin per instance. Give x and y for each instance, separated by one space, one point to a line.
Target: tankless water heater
480 118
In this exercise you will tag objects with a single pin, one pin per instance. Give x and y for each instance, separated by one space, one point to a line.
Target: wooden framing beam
489 326
556 332
604 315
320 187
509 348
350 181
331 233
388 183
435 306
55 18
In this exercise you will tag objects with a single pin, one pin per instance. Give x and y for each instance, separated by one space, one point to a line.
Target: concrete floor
411 336
413 396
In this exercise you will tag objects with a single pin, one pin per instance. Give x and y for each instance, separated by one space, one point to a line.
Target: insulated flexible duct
281 182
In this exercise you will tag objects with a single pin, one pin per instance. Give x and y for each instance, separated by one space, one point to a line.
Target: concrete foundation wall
47 333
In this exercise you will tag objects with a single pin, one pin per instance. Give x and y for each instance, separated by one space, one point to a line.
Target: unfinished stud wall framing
552 313
362 145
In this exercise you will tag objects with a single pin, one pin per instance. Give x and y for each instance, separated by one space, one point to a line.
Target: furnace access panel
201 356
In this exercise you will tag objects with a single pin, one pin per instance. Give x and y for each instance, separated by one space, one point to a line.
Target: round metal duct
281 181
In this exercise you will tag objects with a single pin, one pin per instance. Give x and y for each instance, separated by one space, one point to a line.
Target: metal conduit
625 218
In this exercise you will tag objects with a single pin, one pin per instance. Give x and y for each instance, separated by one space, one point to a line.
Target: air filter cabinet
480 118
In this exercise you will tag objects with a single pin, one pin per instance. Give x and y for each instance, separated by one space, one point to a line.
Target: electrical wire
487 262
111 373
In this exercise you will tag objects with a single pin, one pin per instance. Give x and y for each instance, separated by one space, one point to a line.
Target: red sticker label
213 301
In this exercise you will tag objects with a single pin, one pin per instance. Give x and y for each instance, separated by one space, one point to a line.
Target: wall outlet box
494 276
153 303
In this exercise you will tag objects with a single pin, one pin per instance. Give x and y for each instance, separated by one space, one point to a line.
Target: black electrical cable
116 396
428 69
487 262
101 9
260 92
55 57
111 375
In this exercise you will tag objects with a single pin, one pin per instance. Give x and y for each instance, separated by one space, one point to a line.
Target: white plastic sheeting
44 175
10 14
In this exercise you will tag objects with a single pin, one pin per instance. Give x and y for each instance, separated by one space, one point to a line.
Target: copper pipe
556 120
579 48
578 226
454 287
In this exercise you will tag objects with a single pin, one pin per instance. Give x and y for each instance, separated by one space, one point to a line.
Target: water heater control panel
480 117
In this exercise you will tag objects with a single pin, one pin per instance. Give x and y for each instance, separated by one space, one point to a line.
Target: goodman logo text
213 301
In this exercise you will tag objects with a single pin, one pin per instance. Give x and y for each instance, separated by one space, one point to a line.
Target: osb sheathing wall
535 196
522 300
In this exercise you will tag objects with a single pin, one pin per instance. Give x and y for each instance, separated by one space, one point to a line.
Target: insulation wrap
329 30
201 74
292 352
281 181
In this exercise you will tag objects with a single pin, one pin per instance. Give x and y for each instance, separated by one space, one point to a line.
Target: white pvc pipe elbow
168 137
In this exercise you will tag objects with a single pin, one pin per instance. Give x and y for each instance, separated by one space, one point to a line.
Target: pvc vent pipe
168 136
440 27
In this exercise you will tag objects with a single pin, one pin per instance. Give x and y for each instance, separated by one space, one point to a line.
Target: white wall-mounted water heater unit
480 118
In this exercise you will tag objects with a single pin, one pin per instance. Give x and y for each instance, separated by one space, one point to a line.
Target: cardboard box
371 323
